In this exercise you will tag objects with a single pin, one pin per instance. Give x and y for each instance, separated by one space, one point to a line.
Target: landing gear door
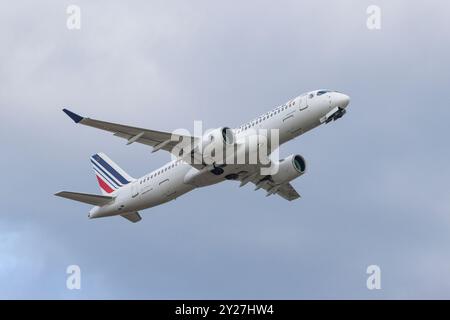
302 102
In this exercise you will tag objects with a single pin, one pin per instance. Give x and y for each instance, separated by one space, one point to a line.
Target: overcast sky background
377 187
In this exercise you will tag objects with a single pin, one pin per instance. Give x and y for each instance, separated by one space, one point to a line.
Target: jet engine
222 135
289 168
215 144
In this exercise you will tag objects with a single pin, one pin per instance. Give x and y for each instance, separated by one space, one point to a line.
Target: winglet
75 117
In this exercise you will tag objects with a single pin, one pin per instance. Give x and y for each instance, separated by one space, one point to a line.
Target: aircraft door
303 103
134 189
291 118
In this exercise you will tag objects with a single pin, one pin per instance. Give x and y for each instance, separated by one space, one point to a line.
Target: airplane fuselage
167 183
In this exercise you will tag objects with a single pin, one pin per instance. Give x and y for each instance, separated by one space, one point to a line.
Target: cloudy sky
377 187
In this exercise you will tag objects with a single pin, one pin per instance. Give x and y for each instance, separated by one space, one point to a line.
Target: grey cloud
376 191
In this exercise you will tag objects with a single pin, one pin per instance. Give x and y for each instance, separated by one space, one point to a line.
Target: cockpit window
321 92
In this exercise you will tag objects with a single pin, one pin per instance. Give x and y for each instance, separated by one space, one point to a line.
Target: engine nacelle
289 169
215 140
225 135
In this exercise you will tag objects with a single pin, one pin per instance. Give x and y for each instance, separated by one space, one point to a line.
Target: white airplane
125 196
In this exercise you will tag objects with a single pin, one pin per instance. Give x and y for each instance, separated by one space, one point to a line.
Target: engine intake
227 135
220 135
215 144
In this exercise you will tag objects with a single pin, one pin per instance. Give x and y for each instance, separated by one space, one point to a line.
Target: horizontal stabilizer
132 216
88 198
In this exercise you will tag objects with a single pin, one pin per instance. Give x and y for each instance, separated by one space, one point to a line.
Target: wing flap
287 191
284 190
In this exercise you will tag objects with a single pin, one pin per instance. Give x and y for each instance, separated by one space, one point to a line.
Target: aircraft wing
287 191
284 190
159 140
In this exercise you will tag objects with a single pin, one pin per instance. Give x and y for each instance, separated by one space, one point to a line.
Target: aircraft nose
341 100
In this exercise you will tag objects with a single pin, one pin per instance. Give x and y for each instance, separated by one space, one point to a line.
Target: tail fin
109 175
